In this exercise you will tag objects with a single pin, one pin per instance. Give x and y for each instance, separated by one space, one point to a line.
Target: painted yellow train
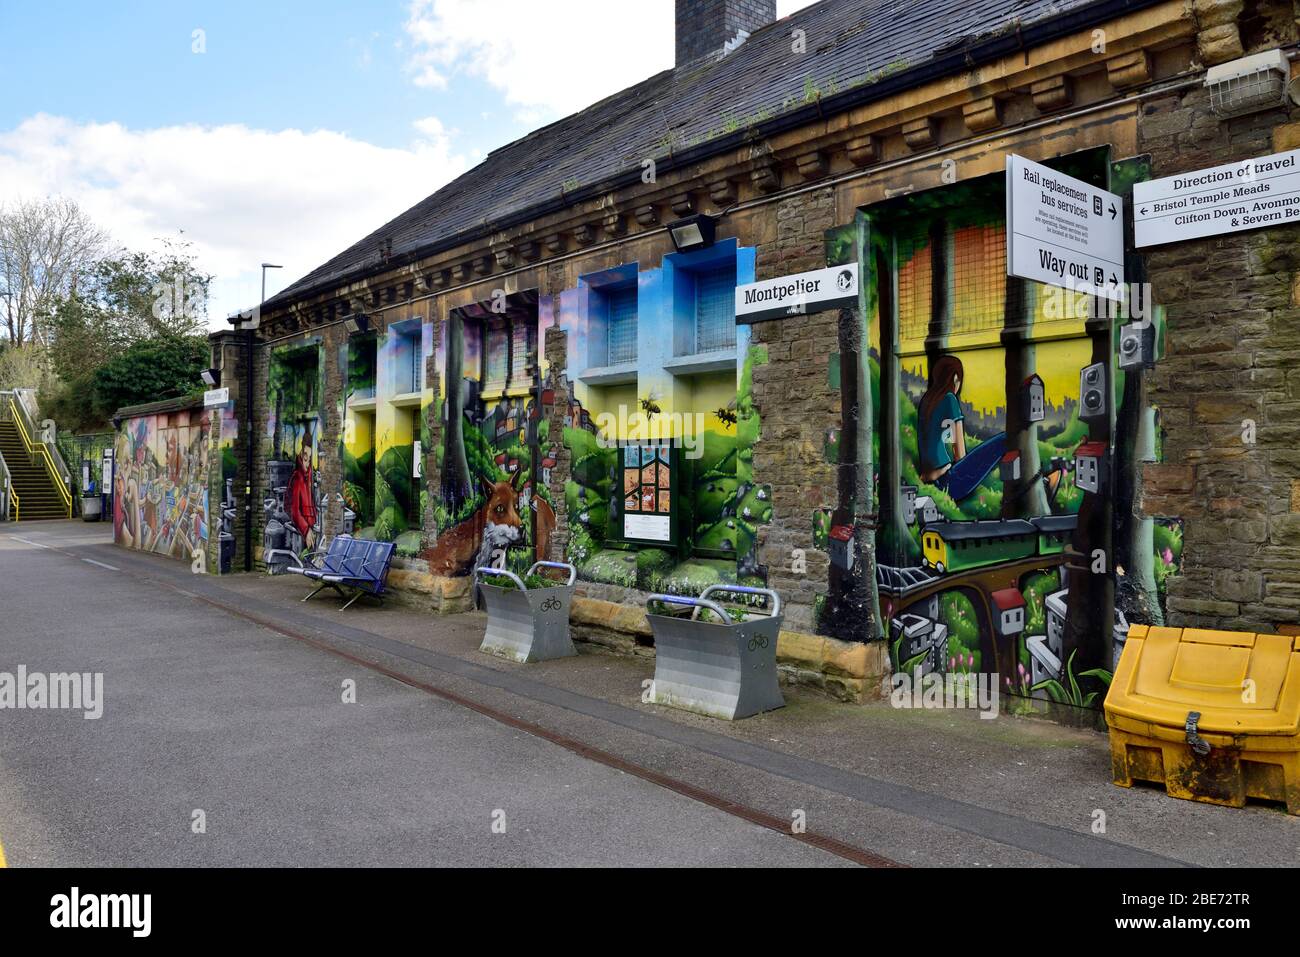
951 547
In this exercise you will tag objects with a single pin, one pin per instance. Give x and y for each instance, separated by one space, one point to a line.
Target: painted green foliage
724 509
394 486
296 381
359 470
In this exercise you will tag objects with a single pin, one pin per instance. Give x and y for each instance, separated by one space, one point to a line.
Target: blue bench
352 563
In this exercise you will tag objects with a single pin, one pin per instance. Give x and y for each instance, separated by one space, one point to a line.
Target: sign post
1224 199
1063 231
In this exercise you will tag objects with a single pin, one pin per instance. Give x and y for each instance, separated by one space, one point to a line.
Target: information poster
648 493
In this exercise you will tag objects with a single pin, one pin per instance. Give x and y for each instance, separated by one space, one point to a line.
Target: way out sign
1224 199
832 288
1063 231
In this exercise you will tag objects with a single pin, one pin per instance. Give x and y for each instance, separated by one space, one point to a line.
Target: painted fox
482 539
490 529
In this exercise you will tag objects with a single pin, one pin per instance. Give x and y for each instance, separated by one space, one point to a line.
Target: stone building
543 358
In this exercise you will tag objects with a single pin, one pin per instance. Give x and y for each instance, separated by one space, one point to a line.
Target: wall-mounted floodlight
211 377
1249 84
692 233
357 323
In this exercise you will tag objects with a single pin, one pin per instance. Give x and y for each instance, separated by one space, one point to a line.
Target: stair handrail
6 491
37 447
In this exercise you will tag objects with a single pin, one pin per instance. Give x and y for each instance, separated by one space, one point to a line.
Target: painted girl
939 423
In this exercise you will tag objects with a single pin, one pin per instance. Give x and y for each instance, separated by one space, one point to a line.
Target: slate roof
856 50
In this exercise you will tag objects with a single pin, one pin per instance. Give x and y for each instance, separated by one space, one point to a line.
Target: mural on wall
656 369
1007 434
160 484
1148 549
400 435
227 449
493 510
358 359
639 391
992 457
294 511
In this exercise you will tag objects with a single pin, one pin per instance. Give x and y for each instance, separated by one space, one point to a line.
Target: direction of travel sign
1063 231
1225 199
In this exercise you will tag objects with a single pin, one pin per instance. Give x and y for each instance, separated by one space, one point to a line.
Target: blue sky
297 127
321 65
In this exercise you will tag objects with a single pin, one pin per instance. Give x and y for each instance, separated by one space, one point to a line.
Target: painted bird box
1057 605
926 510
1009 467
1089 465
1035 399
1009 606
841 546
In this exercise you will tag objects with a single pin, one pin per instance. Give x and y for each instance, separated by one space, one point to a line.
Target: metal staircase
39 487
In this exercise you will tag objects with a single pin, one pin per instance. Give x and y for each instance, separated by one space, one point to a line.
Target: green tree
125 298
167 367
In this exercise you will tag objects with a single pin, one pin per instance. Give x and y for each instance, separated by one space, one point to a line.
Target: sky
284 131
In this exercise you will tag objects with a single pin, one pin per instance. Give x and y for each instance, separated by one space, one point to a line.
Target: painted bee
650 404
728 415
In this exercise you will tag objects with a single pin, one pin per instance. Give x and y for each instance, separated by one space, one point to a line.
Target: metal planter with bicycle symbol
526 624
722 667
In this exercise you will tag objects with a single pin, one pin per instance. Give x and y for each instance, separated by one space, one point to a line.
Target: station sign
214 398
835 287
1264 191
1063 231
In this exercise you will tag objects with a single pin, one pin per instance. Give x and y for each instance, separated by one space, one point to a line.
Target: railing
22 415
8 494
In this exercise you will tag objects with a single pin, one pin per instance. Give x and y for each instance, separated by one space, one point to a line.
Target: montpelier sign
835 287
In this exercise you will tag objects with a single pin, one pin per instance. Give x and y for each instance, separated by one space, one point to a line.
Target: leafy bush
150 371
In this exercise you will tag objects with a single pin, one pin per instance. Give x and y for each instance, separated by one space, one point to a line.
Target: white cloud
243 196
548 60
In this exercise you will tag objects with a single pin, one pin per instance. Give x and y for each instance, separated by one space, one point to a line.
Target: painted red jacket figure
302 500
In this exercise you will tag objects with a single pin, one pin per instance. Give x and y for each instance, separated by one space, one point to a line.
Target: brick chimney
703 27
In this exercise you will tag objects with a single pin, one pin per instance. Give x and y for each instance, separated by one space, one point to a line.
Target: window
622 326
417 361
521 372
408 361
715 310
498 356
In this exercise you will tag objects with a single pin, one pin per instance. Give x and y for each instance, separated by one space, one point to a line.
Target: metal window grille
972 262
622 326
520 354
498 356
417 361
715 310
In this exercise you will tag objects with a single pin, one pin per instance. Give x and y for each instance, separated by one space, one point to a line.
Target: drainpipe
248 465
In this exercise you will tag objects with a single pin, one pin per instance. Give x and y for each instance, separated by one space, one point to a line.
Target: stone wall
1228 389
796 408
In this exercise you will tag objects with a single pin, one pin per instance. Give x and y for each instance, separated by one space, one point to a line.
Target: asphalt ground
306 779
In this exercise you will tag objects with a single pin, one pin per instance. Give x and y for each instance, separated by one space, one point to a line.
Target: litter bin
1214 716
91 508
722 667
527 624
